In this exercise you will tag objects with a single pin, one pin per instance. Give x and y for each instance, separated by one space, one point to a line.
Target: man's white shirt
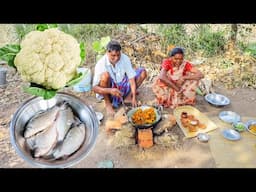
117 73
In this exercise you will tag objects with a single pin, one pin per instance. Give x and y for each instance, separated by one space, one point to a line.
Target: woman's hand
180 82
115 92
177 88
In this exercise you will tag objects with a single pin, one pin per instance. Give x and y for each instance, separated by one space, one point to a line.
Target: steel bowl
203 137
217 99
229 116
31 107
99 115
248 124
231 134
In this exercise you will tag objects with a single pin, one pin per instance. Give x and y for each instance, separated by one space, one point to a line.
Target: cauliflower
48 58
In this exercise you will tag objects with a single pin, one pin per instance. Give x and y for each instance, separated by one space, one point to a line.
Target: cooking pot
157 109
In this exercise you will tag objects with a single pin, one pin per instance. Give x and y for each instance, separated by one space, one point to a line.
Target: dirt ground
183 153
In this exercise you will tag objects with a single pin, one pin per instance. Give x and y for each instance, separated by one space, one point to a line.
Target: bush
209 42
202 38
173 34
23 29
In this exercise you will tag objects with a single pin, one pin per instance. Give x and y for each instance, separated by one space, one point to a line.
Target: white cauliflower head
49 58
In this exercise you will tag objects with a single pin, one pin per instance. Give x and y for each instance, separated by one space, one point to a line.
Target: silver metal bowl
203 137
229 116
99 115
217 99
231 134
248 124
32 106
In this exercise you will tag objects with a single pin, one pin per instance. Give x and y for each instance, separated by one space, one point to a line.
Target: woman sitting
178 80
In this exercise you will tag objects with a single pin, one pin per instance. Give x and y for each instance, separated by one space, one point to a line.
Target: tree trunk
233 37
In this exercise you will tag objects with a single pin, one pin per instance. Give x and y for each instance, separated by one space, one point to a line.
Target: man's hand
115 92
134 102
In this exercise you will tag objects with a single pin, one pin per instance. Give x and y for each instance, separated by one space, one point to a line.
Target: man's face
114 56
177 59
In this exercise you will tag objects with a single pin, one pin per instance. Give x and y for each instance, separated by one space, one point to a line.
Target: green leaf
42 27
41 92
53 25
100 46
82 52
98 57
96 46
77 78
8 53
49 94
104 41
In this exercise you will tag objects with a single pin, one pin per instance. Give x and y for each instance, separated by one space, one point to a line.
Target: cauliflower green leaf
41 92
42 27
8 53
77 78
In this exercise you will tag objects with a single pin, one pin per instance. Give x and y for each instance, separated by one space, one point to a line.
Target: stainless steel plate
229 116
231 134
217 99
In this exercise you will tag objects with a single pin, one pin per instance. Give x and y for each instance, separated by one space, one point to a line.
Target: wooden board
210 125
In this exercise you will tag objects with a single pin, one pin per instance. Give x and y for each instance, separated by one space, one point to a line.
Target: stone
105 164
166 124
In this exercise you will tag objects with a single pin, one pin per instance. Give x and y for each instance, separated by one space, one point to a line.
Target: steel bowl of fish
54 133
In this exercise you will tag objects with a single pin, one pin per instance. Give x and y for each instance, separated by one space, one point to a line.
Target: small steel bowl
31 107
99 115
248 124
203 137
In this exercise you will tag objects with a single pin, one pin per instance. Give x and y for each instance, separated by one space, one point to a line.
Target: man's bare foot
110 111
128 101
